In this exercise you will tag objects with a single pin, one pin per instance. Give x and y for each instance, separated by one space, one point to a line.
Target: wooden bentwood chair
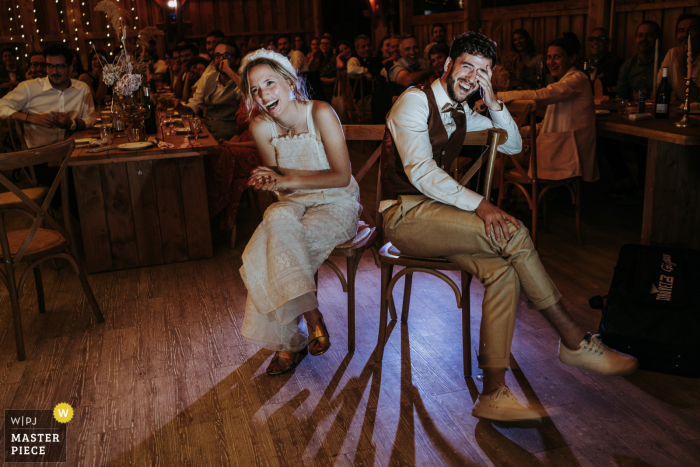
366 236
519 176
36 244
390 256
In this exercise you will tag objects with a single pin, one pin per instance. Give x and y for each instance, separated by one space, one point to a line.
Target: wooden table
671 196
143 208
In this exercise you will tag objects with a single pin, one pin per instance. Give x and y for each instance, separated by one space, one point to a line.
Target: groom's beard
451 82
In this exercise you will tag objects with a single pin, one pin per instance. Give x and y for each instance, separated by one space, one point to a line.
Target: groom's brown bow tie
457 112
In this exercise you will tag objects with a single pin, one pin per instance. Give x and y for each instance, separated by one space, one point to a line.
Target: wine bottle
150 122
663 97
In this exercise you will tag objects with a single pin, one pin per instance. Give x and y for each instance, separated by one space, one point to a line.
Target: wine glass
196 127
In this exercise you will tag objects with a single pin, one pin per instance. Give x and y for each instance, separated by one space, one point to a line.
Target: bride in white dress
306 161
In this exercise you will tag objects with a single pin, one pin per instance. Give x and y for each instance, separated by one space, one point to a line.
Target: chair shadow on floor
317 439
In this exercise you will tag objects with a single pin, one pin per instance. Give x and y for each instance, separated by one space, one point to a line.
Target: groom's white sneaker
501 405
597 357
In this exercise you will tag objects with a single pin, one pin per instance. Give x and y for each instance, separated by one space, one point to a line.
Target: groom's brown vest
445 150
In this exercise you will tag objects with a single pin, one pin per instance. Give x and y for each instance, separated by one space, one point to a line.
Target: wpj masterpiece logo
37 435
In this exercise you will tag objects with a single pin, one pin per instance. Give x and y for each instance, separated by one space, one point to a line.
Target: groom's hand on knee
495 220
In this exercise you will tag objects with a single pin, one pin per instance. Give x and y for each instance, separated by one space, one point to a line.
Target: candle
656 66
690 58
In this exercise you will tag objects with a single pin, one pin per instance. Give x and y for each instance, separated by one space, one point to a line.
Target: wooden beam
598 14
318 19
471 9
406 17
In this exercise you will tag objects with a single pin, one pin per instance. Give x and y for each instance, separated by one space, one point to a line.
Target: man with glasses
296 57
10 74
218 93
602 64
37 66
52 106
676 60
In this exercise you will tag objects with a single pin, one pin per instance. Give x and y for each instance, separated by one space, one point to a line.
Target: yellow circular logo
63 413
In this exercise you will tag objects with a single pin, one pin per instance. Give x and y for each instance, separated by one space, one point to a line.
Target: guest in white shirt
676 60
296 57
435 216
214 38
51 107
410 68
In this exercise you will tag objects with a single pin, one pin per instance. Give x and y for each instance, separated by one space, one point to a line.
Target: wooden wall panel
546 21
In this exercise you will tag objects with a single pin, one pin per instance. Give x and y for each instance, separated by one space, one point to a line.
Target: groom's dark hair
474 43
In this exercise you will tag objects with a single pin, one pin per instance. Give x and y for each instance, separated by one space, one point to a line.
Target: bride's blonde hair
295 82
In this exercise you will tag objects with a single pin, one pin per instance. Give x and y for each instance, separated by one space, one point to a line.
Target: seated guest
316 60
343 56
315 47
93 77
187 53
566 138
637 73
270 45
327 69
439 36
362 63
676 60
219 94
296 57
213 39
602 64
77 63
37 66
410 68
306 161
51 107
173 65
438 56
385 54
195 70
435 216
300 44
10 74
523 63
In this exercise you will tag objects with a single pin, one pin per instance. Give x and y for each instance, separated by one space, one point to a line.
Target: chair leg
577 188
387 269
256 201
39 289
466 325
90 296
353 262
408 280
535 206
16 314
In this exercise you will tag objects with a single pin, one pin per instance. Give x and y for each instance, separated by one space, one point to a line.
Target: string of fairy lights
17 28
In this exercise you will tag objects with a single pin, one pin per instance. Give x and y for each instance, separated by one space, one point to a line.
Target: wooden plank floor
168 380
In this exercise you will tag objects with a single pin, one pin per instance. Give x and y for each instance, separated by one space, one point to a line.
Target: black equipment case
653 308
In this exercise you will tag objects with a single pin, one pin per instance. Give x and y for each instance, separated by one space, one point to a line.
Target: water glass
196 128
104 135
106 116
622 105
135 133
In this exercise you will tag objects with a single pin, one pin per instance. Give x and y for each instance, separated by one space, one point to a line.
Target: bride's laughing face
269 90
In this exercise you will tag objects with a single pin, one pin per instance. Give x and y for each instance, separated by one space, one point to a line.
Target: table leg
671 197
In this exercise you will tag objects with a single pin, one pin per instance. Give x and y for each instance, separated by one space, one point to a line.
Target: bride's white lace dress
296 235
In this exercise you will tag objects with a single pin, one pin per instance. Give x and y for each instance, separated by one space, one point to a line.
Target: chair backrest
58 153
525 113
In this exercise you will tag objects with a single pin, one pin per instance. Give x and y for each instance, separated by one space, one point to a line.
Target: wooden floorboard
168 380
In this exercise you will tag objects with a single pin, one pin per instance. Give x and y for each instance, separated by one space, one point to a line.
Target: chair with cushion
390 256
37 244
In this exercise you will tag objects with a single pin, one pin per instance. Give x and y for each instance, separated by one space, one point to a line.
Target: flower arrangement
120 73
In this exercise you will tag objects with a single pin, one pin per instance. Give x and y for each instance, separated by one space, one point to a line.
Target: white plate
83 141
135 146
602 112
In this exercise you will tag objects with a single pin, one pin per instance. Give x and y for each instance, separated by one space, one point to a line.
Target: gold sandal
320 335
293 359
